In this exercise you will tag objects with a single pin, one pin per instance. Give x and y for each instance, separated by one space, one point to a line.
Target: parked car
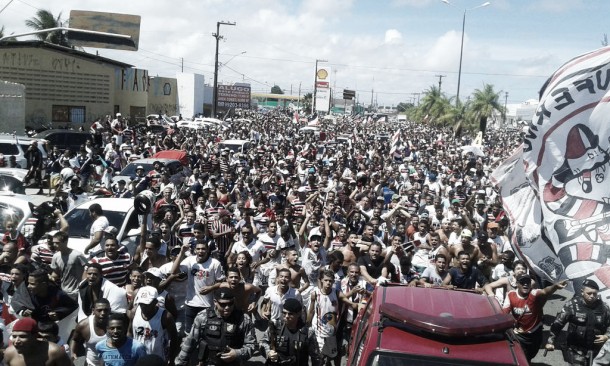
402 325
12 180
65 139
18 145
177 171
15 208
120 214
237 146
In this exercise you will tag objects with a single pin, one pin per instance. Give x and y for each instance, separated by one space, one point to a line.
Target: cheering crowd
289 237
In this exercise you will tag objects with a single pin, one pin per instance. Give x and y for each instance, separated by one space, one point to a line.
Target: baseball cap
524 277
139 167
146 295
224 293
111 230
153 271
222 213
314 236
293 305
26 324
466 233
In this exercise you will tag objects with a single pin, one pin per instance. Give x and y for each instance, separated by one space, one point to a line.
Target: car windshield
130 169
398 359
80 221
232 147
9 213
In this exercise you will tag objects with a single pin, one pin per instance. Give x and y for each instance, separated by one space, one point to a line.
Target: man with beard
244 299
204 277
526 305
27 350
589 318
372 265
271 306
222 335
115 263
434 276
118 349
90 331
465 276
96 287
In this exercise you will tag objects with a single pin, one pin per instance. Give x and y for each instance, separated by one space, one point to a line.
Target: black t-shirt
467 280
373 268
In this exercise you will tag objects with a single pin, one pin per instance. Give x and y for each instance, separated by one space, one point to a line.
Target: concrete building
64 86
12 106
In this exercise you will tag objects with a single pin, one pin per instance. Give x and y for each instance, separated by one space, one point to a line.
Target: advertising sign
323 88
234 96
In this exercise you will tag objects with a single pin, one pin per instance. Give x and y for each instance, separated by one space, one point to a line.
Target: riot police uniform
585 322
294 347
212 335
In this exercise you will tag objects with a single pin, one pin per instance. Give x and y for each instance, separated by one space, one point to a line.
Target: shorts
55 180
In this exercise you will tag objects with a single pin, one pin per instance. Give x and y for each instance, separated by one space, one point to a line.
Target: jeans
190 312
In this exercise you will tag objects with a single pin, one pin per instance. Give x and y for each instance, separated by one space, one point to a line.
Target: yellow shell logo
322 74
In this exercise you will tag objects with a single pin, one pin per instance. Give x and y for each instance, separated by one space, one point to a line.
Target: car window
80 221
8 213
399 359
9 149
130 169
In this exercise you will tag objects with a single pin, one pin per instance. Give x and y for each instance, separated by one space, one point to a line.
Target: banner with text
234 96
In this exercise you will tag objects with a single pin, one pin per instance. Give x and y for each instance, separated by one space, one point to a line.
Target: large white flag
566 164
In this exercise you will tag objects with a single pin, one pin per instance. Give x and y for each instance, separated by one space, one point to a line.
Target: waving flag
564 169
313 121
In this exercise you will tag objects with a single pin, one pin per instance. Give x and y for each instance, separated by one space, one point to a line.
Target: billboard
234 96
124 24
323 88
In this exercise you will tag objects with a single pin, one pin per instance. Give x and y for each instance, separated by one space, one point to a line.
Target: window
66 113
9 149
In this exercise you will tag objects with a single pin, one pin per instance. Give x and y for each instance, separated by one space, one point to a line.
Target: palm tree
484 103
44 19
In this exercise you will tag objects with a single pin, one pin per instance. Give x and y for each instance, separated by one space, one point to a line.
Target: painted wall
191 94
12 107
163 96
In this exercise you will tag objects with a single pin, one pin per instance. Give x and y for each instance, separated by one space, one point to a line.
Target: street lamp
229 60
218 38
457 97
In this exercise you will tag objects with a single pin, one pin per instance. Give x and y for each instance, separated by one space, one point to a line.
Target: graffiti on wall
134 80
20 59
164 108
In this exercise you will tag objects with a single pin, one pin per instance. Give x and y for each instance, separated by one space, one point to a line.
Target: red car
432 326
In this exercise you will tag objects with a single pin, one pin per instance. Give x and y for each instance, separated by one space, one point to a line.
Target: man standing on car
33 157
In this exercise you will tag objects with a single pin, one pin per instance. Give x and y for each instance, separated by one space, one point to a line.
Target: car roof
15 200
21 139
109 204
152 160
430 319
62 131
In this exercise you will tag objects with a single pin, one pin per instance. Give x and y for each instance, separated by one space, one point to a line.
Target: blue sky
395 47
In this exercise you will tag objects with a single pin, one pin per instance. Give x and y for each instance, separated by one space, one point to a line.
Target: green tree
482 106
307 102
433 107
276 90
44 19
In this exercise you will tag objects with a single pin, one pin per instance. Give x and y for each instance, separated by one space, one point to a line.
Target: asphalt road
552 307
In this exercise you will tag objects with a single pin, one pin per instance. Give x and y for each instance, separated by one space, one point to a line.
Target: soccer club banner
567 163
523 209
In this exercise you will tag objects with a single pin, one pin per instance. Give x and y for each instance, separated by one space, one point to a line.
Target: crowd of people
290 238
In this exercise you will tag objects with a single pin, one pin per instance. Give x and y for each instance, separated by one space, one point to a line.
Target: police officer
221 336
292 343
589 319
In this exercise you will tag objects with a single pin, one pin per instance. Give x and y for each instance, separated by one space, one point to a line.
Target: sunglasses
225 304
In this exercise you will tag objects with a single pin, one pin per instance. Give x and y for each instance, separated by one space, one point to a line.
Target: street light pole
457 96
218 38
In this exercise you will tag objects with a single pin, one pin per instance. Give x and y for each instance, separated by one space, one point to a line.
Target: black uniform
211 335
585 322
293 348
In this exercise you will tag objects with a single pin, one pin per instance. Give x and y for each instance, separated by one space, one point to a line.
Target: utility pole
440 81
315 78
505 102
218 38
417 98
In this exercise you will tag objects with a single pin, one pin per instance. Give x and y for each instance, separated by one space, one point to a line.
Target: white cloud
392 36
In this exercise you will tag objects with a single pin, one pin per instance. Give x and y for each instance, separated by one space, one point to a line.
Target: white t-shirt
98 225
201 275
255 248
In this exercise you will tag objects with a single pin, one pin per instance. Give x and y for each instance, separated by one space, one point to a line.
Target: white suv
17 146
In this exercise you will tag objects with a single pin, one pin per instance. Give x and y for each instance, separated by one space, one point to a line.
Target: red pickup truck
432 326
